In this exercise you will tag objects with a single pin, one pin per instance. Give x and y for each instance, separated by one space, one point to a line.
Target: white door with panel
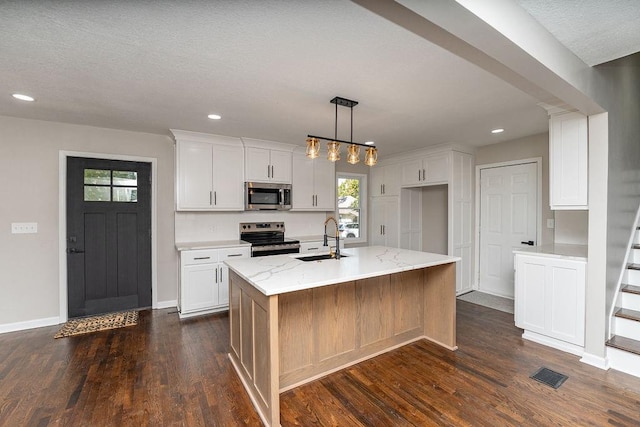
508 220
384 221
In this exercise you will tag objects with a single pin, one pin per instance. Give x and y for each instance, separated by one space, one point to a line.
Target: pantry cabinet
209 172
204 279
568 161
314 184
384 221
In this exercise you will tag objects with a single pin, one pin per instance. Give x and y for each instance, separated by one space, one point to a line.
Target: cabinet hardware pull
312 249
202 257
419 179
272 173
232 255
220 269
424 175
215 197
381 230
210 197
529 242
268 171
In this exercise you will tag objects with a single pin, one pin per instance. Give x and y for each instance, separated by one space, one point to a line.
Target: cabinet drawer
203 256
230 253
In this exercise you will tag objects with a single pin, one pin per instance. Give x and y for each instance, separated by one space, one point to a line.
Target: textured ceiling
596 31
268 67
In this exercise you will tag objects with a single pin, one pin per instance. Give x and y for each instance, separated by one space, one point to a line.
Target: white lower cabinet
204 279
550 300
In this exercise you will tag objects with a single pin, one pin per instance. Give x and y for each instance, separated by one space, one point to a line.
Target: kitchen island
293 321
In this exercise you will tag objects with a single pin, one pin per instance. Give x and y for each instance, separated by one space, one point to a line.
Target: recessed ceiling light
499 130
369 143
22 97
214 117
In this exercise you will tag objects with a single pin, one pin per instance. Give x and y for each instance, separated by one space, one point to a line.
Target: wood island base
279 342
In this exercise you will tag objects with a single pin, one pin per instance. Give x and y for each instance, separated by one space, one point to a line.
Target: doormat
98 323
549 377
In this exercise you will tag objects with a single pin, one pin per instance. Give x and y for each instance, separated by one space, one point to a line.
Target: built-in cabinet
315 184
396 220
209 172
267 161
384 229
550 300
568 161
385 180
430 169
204 279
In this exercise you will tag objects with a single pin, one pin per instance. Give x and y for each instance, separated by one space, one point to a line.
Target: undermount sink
318 257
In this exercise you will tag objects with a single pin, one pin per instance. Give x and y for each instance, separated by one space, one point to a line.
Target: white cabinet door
436 169
568 161
265 165
324 183
303 191
194 174
228 178
530 294
281 166
257 164
199 290
314 186
432 169
566 303
384 221
412 172
385 180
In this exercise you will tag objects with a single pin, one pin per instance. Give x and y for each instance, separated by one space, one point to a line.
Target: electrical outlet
24 227
551 223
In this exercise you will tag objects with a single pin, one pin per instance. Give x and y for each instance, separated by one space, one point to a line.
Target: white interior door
508 217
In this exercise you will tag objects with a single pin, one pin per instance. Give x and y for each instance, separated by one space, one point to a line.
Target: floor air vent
549 377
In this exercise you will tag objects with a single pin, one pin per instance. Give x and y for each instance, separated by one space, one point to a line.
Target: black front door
108 235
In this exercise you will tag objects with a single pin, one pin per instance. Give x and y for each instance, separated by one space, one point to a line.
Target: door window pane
97 176
94 193
125 194
126 178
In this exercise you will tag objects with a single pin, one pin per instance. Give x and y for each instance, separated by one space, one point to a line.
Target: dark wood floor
169 372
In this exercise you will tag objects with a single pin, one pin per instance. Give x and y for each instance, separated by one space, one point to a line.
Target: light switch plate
551 223
24 227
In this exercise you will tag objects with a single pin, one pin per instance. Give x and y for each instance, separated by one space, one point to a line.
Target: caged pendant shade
333 144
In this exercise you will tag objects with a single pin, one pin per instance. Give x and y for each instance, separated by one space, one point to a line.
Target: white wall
29 151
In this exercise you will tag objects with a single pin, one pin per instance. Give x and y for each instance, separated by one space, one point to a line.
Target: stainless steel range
267 238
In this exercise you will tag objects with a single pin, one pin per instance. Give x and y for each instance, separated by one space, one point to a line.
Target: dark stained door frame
108 242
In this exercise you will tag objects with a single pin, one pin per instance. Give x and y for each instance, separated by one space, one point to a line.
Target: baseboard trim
166 304
552 342
29 324
596 361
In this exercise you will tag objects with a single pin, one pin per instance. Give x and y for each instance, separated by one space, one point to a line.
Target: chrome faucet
326 243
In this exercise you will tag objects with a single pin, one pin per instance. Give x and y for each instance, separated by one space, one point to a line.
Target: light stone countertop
218 244
278 274
557 250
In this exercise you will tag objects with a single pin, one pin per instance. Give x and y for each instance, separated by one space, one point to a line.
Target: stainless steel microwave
260 196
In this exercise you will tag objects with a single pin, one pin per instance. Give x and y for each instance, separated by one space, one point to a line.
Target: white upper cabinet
385 230
568 161
385 180
209 172
432 169
267 161
314 184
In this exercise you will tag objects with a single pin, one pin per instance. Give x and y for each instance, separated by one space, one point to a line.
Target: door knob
529 242
75 251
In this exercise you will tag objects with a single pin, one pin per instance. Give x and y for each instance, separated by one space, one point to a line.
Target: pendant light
333 145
